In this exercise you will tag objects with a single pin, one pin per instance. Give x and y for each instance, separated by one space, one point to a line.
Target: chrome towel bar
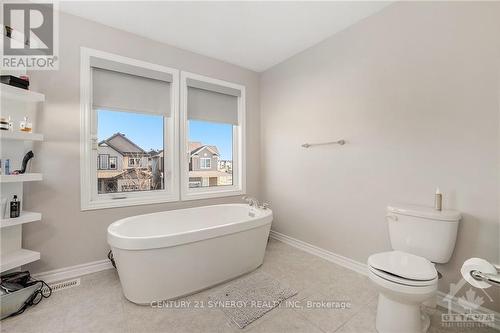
338 142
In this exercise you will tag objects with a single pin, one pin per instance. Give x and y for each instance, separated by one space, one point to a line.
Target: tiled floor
98 305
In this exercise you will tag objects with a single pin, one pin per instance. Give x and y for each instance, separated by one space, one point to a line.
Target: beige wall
67 236
414 91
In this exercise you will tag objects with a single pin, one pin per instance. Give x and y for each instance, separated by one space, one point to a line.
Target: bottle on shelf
25 125
15 207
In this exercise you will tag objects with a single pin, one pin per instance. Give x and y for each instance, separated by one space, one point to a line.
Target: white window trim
209 162
90 199
239 147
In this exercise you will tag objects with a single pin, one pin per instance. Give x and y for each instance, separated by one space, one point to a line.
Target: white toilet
406 277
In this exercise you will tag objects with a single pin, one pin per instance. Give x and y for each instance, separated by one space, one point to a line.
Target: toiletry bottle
29 126
25 125
438 200
15 207
22 124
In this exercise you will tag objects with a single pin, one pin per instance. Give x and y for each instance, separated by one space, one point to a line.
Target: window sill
127 202
211 194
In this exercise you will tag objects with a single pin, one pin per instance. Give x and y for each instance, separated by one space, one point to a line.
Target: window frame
239 145
90 198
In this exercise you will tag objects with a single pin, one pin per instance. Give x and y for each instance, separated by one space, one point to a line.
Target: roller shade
210 102
122 87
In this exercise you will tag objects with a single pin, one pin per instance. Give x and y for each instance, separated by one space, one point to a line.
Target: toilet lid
405 265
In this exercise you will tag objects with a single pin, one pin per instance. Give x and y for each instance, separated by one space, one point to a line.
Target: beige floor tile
363 321
328 313
285 321
351 286
188 314
41 321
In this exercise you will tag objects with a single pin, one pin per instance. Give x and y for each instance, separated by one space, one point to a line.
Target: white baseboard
363 269
74 271
322 253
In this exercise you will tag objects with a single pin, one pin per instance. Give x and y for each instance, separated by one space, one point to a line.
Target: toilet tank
423 231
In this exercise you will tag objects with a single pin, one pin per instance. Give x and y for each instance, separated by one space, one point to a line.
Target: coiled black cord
110 257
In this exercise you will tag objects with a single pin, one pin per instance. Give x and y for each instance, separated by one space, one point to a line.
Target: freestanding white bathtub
166 255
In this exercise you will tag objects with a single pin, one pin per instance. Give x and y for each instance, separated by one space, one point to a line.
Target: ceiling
253 35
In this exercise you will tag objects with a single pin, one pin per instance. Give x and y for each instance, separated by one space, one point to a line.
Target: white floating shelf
25 177
17 258
19 94
25 217
23 136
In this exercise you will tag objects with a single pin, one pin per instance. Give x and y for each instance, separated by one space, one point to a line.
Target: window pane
210 154
130 152
103 160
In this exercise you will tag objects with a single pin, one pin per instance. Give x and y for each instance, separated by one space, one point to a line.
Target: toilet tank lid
425 212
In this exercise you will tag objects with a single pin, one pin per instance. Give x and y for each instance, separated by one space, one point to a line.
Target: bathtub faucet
253 202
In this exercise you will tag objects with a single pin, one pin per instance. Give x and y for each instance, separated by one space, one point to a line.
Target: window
205 163
212 129
134 162
129 109
103 161
113 163
140 144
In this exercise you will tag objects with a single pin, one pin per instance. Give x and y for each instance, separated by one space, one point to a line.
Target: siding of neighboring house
105 150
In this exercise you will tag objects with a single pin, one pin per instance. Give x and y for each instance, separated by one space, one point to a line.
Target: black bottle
15 207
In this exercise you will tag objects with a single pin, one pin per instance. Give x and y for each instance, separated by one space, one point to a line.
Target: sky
146 131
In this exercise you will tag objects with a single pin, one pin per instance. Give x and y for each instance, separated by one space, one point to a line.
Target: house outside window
130 170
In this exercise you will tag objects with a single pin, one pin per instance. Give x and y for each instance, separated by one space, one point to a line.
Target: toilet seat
401 281
403 268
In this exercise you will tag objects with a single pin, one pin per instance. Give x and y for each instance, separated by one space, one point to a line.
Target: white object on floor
406 277
166 255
